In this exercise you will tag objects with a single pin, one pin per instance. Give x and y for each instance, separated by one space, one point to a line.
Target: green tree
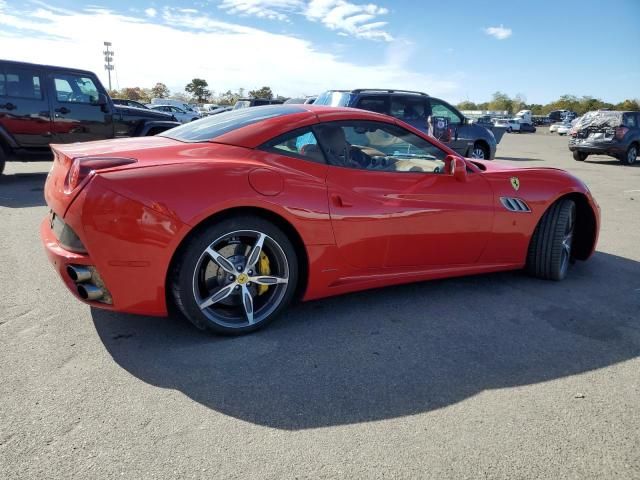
228 98
198 89
160 90
629 105
132 93
467 105
264 92
501 101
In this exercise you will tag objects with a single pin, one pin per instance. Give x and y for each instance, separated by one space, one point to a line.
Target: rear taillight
621 132
81 168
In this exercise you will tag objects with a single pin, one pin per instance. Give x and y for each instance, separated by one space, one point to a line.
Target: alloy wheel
240 278
478 152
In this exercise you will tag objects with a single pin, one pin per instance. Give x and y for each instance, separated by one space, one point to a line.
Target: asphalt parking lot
494 376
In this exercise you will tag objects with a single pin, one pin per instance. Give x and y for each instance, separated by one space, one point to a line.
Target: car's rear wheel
509 129
235 276
631 156
549 252
580 156
480 151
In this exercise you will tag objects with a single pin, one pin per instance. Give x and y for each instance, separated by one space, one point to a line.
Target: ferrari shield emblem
515 183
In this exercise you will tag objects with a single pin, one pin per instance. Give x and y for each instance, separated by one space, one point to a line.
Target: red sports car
231 217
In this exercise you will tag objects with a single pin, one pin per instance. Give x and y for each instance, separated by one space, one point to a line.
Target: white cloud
186 45
271 9
151 12
346 18
350 18
498 32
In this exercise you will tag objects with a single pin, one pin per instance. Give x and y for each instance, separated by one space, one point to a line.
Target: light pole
108 58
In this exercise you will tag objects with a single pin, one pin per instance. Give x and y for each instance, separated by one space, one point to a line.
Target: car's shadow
393 352
22 190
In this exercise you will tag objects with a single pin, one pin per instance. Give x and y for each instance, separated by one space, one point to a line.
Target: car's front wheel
580 156
235 276
549 252
480 151
631 156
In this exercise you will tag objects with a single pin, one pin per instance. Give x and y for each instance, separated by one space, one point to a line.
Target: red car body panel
360 229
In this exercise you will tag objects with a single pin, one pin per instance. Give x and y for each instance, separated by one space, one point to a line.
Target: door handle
8 106
339 202
63 110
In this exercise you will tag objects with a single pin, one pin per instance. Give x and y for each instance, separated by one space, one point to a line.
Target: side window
377 104
629 120
301 143
20 84
441 109
378 146
75 89
408 109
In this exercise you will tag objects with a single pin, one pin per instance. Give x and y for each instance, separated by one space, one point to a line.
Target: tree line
502 102
195 91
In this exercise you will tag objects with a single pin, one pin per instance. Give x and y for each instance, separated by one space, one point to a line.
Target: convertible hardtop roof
238 127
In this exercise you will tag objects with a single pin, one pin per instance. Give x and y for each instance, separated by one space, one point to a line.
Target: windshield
333 99
211 127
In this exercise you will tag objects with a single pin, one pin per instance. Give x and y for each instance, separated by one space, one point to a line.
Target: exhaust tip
78 273
90 292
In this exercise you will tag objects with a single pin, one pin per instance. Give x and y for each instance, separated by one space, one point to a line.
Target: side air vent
515 204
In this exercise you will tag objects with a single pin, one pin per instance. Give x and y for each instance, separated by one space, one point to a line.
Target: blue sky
456 50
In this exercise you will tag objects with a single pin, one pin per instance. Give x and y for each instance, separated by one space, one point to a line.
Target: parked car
220 110
182 115
129 103
276 202
255 102
301 100
560 115
563 128
510 124
415 108
527 127
605 132
175 103
41 104
554 127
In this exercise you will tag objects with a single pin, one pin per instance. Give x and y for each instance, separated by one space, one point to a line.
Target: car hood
126 111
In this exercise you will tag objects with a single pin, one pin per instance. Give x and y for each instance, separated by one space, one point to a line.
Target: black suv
40 105
605 132
416 108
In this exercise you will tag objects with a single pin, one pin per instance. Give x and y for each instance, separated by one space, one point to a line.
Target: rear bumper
602 148
129 245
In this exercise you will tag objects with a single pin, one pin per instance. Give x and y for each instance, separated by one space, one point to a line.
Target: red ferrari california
231 217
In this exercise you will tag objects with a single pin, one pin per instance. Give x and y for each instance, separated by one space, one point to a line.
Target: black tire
580 156
478 149
3 159
631 156
508 129
550 248
196 278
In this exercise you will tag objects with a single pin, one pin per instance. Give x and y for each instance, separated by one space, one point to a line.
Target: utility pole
108 58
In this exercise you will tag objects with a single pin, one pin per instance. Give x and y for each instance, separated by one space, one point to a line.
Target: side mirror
102 101
457 167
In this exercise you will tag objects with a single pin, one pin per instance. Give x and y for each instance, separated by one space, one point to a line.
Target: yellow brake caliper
265 269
